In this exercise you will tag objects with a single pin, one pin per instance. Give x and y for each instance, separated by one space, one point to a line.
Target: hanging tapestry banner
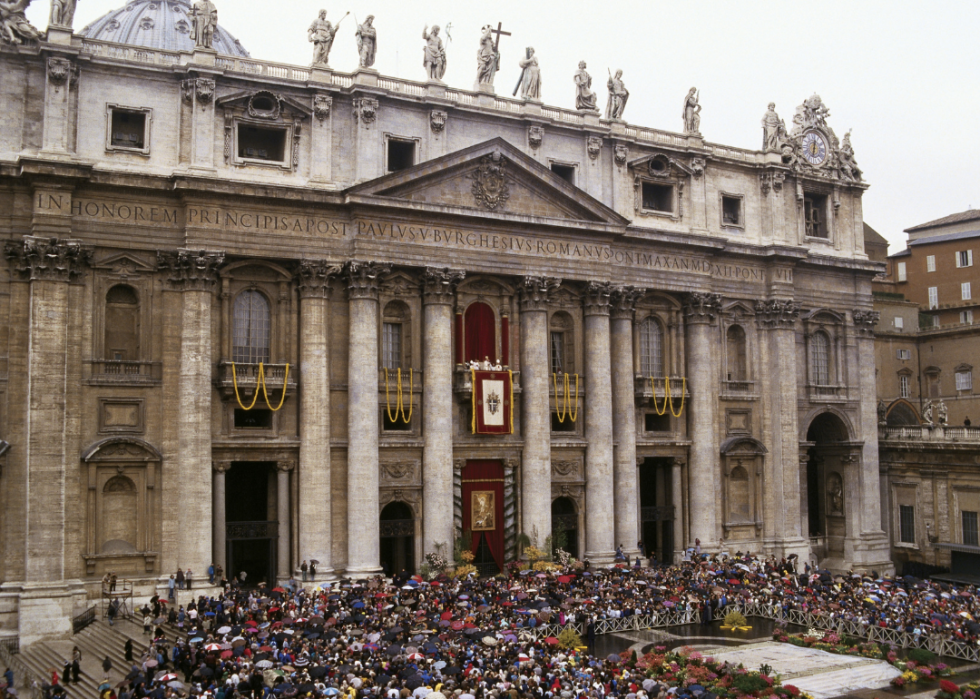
493 397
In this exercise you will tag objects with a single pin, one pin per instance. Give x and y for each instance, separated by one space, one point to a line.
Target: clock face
814 148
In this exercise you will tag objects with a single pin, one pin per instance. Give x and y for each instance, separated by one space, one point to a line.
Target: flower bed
950 690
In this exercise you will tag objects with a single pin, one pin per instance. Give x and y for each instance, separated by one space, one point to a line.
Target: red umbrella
278 589
251 623
551 641
457 626
226 654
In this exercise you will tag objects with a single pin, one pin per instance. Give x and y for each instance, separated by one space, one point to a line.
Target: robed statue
618 95
433 55
321 34
367 42
204 16
62 12
530 82
585 98
14 27
487 58
692 113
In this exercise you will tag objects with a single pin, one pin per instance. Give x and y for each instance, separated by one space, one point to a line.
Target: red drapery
485 475
481 335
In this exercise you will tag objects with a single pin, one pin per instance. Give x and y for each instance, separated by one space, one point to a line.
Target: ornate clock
814 147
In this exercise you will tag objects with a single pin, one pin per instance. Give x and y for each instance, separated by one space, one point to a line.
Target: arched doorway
656 509
824 498
397 538
564 525
252 529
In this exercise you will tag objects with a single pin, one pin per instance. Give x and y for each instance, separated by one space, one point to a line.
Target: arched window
122 323
481 333
735 344
251 328
820 359
651 348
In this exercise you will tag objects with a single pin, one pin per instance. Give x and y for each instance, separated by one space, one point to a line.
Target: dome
157 24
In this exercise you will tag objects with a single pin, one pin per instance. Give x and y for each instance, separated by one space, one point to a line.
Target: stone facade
172 221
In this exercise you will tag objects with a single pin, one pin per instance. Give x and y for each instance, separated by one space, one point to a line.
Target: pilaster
61 78
199 95
322 139
622 306
220 515
367 139
283 469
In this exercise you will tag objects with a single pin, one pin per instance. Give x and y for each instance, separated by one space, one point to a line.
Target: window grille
970 534
820 359
964 380
392 345
906 521
251 334
651 348
557 352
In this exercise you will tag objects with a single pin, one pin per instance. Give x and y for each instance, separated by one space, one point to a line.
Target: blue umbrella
331 692
358 605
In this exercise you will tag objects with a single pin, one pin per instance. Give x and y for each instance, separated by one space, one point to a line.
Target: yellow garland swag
565 410
260 383
399 401
667 401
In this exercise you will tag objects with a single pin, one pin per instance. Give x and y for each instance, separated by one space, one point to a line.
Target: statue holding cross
488 57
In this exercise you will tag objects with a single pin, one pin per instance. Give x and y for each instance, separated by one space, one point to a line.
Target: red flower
792 689
947 686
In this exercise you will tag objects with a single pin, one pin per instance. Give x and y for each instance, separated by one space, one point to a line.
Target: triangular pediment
491 179
124 264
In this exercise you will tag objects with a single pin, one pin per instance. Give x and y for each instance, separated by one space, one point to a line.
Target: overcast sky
905 76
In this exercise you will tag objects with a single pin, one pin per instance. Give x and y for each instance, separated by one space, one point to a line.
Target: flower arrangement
533 553
464 570
467 556
436 562
736 621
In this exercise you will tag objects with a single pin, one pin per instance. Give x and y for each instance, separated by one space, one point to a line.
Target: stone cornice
596 299
623 301
701 307
314 278
865 321
48 259
774 313
363 279
535 292
439 285
190 270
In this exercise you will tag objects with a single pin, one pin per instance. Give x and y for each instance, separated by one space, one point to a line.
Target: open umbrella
263 664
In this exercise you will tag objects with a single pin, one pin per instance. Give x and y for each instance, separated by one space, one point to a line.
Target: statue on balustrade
367 42
204 15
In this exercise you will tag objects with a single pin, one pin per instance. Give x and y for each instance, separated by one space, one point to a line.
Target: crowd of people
404 637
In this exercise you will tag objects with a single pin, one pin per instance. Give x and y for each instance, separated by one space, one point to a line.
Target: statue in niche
204 16
835 493
773 130
530 82
367 42
321 33
487 58
434 55
618 95
585 98
62 12
14 27
692 113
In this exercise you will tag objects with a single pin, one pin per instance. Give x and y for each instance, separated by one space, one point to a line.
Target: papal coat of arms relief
490 182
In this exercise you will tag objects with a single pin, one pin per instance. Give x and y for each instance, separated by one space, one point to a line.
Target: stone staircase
96 641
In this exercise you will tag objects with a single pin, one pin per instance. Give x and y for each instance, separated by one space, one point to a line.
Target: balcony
247 376
463 382
116 372
926 433
644 392
826 394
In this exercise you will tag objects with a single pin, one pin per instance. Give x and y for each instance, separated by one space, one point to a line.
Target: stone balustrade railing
930 433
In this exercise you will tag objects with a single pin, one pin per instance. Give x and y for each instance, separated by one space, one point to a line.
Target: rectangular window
658 197
964 380
814 208
820 352
966 317
934 384
392 345
731 211
904 354
566 172
899 322
964 258
901 272
401 154
930 263
905 386
935 321
906 523
557 352
257 143
656 423
128 129
970 534
933 297
965 292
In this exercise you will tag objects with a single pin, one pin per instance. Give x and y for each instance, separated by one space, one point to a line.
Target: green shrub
569 638
749 684
921 655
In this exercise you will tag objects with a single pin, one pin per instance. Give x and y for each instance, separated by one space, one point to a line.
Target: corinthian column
363 515
700 310
600 501
194 274
536 408
624 417
219 520
315 490
48 264
438 294
282 516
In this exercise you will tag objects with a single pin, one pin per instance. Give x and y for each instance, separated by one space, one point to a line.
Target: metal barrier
82 620
10 655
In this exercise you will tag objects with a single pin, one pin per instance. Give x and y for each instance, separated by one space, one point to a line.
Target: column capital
363 278
190 270
221 466
623 300
314 278
535 292
597 298
678 461
865 321
773 313
48 259
285 466
702 307
439 285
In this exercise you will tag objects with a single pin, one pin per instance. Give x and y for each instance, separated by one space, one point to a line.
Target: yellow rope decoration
399 397
572 416
653 388
388 399
234 380
565 410
558 403
473 392
510 376
285 382
683 391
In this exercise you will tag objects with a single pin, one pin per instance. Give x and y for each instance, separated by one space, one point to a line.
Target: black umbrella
413 682
318 672
451 670
382 680
393 649
305 687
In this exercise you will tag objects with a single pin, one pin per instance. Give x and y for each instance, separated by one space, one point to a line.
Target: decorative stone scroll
190 270
314 278
366 109
535 292
621 153
437 120
702 307
594 147
771 180
774 313
58 70
201 88
535 136
439 285
597 298
364 278
321 106
865 321
48 259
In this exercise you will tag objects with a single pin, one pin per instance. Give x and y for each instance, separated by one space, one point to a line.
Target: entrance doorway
564 525
252 531
657 509
397 538
825 502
